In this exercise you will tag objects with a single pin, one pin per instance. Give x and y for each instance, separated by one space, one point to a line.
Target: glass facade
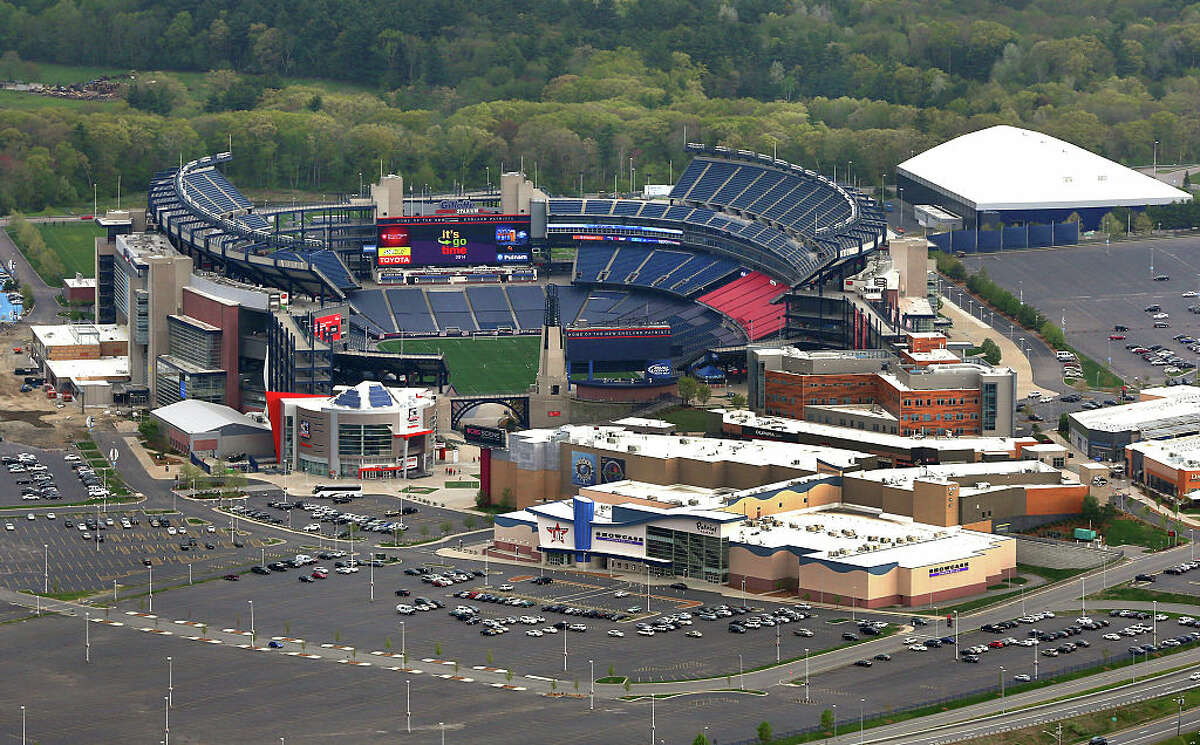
988 406
175 383
691 554
192 344
364 440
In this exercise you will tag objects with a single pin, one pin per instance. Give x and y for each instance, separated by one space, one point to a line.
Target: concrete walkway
968 328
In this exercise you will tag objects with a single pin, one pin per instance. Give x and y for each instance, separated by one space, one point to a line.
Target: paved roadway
45 308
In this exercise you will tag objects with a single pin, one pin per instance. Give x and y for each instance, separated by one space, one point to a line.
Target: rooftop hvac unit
633 448
693 502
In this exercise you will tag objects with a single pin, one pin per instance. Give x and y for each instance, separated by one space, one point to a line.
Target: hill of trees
442 91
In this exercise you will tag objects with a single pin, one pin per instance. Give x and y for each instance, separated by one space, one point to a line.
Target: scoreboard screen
619 343
453 240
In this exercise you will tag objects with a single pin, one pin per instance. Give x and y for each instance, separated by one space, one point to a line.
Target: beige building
78 341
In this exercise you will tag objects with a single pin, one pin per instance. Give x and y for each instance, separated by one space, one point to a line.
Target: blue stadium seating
371 303
450 310
570 301
491 307
627 259
591 260
529 303
410 310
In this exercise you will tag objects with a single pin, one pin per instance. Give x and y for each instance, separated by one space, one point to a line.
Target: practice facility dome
1005 169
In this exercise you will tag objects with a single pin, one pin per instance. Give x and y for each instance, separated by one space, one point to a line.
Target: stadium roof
1006 168
194 417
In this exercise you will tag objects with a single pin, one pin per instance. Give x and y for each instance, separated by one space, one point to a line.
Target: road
45 309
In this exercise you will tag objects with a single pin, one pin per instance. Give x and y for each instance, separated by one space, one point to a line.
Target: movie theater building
365 431
826 551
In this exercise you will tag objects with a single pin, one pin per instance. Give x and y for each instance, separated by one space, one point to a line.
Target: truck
1085 534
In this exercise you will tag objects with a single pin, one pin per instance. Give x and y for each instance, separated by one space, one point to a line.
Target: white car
1113 638
533 632
9 526
1161 316
918 648
616 633
645 632
504 588
694 634
405 609
911 640
620 594
172 530
210 529
31 516
30 497
549 630
1194 676
50 516
125 523
1188 293
312 528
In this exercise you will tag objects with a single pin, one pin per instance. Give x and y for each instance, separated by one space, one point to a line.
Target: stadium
666 281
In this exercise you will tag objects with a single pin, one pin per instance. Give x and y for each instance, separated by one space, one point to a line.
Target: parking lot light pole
166 721
408 706
807 699
45 568
403 646
591 685
956 657
252 633
442 727
564 650
170 683
861 702
741 674
1002 706
651 720
1155 623
22 725
151 568
372 565
1179 716
647 588
1035 661
87 637
834 721
777 642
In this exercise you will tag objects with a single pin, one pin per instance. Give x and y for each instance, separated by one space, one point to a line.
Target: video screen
460 241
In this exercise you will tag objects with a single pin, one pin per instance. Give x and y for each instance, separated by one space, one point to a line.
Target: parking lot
1187 583
34 548
70 489
426 523
1098 287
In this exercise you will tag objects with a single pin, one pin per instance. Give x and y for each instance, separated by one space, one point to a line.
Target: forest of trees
442 91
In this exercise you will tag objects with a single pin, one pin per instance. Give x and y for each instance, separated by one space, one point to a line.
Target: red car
996 644
231 577
1116 337
320 575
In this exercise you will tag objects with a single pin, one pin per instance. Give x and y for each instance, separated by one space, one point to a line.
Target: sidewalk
969 328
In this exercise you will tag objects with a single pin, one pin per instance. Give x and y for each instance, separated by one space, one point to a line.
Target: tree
149 430
688 389
991 351
446 526
737 401
1142 223
1091 509
703 393
764 733
481 500
1064 423
827 719
1111 225
700 740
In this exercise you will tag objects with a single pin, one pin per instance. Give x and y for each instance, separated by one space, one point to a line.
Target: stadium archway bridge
517 405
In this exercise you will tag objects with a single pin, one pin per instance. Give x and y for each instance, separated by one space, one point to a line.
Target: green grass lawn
686 418
1125 531
504 364
75 244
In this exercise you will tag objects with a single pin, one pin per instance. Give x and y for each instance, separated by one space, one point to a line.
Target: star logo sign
557 534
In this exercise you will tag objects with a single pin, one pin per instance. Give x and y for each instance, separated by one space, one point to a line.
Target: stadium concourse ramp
518 309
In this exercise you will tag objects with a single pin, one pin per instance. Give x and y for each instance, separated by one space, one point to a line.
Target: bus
329 492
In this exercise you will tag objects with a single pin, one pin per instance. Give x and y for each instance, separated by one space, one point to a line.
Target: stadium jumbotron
1008 175
737 231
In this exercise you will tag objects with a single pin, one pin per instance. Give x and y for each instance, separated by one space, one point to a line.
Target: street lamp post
835 721
1155 623
170 683
252 632
166 721
22 725
408 706
591 685
87 637
741 674
403 646
956 657
442 728
45 568
861 702
151 568
777 642
652 728
807 699
647 588
1002 706
1179 716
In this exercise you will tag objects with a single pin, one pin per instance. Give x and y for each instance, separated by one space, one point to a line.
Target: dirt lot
31 417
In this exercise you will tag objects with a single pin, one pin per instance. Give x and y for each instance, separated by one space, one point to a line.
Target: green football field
503 364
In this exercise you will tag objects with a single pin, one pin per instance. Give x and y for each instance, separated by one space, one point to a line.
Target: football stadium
656 286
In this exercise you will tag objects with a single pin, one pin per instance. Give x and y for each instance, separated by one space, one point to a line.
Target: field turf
75 244
505 364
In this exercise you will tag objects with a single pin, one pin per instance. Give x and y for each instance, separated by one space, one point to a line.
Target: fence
1008 238
200 462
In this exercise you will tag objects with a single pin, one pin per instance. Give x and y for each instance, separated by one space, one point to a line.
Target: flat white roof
80 281
369 396
672 495
865 538
882 439
105 367
1178 453
1007 168
1180 402
70 334
635 421
904 477
751 452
